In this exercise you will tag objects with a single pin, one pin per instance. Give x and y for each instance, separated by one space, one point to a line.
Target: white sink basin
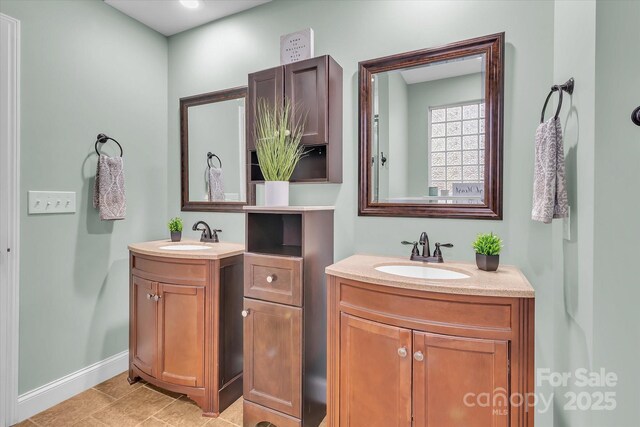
184 247
420 272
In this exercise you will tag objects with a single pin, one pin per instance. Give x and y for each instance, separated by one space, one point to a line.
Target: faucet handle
437 252
414 251
214 235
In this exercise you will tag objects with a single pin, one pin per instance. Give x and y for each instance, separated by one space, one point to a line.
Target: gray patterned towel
108 190
549 184
216 184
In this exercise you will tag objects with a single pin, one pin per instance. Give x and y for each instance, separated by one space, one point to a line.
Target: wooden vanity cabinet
285 315
314 87
182 337
402 357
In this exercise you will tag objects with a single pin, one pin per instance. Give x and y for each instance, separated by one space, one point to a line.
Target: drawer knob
402 352
156 298
271 278
419 356
245 313
149 296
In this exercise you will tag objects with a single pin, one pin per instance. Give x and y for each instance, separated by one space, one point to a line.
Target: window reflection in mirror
217 128
428 133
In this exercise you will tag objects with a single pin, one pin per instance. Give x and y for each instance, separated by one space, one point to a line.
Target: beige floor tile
89 422
219 422
73 410
171 394
118 386
233 413
152 422
182 413
134 408
25 423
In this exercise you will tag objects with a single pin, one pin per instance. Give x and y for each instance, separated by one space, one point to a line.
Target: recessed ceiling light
190 4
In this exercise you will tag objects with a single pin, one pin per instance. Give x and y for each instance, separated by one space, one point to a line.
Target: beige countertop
508 281
215 251
288 208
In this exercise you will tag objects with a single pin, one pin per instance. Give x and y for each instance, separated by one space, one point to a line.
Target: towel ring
102 138
566 87
209 156
635 116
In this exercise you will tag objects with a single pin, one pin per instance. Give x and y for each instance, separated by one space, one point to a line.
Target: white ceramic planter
276 193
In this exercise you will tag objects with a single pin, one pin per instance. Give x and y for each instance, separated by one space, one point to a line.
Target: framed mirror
213 152
430 130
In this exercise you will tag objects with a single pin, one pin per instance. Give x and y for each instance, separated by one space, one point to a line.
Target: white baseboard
48 395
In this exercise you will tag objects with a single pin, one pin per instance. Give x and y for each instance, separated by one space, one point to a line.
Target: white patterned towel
549 183
216 184
108 191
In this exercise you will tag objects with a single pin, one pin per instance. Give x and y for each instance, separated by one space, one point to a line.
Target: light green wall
85 69
574 56
216 128
398 136
616 290
219 55
422 96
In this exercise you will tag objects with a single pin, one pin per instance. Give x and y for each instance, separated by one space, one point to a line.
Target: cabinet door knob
271 278
419 356
402 352
156 298
149 296
245 313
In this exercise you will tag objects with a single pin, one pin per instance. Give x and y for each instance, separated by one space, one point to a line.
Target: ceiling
443 70
171 17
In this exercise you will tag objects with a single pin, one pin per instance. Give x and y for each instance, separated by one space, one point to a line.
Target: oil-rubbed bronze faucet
426 249
208 235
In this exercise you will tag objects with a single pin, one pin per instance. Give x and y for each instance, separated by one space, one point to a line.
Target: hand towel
549 185
216 184
108 190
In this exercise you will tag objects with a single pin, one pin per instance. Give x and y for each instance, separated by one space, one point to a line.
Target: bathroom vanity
447 348
185 334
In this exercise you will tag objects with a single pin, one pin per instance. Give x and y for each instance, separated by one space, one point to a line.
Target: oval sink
420 272
184 247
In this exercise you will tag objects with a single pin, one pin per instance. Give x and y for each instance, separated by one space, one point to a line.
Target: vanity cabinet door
181 324
144 317
273 356
306 87
375 374
266 84
454 378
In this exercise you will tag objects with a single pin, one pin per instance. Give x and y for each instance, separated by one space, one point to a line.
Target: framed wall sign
296 46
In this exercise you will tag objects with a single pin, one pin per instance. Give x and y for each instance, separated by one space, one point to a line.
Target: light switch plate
52 202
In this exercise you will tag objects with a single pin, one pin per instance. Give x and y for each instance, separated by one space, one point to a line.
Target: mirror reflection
428 133
216 150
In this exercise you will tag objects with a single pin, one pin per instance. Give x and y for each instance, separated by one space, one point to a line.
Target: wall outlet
52 202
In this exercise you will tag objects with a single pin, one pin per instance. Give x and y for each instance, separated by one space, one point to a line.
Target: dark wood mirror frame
192 101
493 47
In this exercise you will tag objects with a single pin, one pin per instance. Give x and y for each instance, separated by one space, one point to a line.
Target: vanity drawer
273 278
170 270
432 312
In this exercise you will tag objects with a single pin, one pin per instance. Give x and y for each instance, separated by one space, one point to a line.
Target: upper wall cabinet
314 87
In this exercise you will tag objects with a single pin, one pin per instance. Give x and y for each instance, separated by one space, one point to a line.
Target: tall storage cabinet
285 315
314 87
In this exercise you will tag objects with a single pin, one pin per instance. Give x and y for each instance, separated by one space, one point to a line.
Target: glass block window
456 144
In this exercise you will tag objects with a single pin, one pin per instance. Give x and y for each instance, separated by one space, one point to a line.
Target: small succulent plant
175 224
487 244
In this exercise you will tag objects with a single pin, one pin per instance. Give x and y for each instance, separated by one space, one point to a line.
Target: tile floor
116 403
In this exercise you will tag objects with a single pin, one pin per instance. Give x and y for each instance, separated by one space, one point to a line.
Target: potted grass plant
487 247
175 227
278 149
